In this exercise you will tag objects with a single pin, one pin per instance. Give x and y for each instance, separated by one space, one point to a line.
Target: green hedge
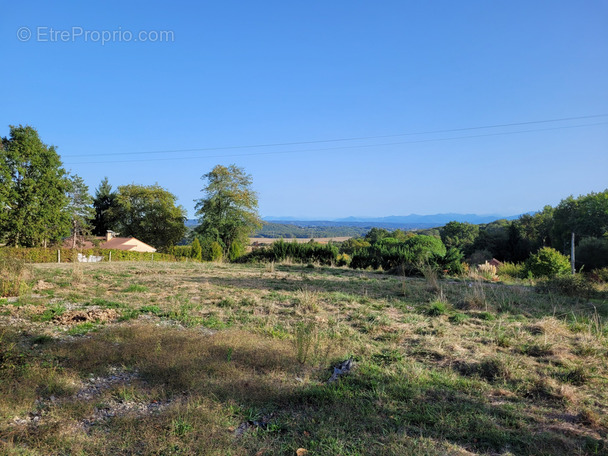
280 250
49 255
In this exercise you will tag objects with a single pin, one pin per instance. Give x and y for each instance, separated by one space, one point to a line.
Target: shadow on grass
392 409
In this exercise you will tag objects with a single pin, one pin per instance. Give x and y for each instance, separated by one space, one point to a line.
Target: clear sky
400 74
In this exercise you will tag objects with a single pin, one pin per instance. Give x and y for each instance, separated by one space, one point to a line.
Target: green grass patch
136 288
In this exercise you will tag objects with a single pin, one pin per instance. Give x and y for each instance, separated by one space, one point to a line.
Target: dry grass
233 359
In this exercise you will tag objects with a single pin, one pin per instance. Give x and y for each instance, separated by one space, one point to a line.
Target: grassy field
190 358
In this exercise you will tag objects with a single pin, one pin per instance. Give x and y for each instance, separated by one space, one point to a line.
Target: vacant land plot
190 358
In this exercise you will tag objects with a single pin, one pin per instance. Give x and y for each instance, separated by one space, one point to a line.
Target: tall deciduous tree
459 235
228 210
33 190
79 207
586 216
104 201
150 214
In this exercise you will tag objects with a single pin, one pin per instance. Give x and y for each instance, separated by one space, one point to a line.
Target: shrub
196 251
217 252
180 252
343 259
280 250
480 256
599 275
487 271
49 255
437 308
575 285
236 250
514 270
548 262
592 253
404 257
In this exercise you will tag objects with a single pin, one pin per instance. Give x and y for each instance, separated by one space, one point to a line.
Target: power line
337 148
251 146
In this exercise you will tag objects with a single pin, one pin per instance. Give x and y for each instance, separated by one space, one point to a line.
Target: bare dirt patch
82 316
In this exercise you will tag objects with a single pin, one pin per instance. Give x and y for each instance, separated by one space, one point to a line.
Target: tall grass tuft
12 277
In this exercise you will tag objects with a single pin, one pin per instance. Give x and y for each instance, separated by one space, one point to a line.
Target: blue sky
233 74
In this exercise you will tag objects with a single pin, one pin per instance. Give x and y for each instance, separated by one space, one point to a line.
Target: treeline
533 245
42 205
285 230
585 218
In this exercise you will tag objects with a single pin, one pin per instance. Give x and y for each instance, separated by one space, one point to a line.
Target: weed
82 328
459 317
437 308
305 334
152 309
386 357
106 304
536 350
475 296
181 427
53 310
135 288
307 300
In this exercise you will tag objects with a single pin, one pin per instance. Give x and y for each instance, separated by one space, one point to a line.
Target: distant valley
292 227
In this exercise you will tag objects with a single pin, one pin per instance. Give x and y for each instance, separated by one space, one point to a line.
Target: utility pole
572 254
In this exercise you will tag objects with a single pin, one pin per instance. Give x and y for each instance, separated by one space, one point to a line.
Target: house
122 243
111 241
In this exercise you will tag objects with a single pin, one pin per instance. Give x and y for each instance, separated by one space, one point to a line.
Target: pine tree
104 201
79 208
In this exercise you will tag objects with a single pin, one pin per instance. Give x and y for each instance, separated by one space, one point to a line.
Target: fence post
110 259
59 256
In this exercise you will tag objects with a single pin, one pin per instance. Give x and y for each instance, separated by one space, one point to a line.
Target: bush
575 285
480 256
236 250
548 262
49 255
217 252
180 252
599 275
592 253
404 257
343 259
513 270
280 250
196 250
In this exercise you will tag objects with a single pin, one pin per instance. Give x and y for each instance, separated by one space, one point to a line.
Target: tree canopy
33 187
79 207
150 214
459 235
228 209
104 201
